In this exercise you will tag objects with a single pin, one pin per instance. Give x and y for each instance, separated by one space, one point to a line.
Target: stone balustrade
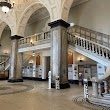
33 39
96 48
100 50
92 35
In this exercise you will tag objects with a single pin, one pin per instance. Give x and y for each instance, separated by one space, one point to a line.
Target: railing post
106 53
93 48
103 52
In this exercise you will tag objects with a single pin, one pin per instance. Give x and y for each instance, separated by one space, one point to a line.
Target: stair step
102 101
106 95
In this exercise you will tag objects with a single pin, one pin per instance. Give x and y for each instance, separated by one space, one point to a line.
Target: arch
9 19
27 14
2 27
66 5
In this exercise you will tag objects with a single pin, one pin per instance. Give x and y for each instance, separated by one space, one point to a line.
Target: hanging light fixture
6 5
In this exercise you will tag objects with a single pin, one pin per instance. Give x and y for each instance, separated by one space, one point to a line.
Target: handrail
5 61
100 50
97 37
35 38
89 41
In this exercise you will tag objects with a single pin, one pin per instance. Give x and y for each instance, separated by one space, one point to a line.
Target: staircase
92 50
3 70
94 45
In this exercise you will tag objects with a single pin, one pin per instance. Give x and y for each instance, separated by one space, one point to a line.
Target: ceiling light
6 5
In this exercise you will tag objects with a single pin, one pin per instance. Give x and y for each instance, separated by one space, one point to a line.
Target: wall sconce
5 52
80 59
31 62
33 54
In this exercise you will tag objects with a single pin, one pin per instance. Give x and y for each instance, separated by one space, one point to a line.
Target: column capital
15 37
59 22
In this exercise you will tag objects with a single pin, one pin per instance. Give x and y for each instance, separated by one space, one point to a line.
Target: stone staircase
86 42
94 51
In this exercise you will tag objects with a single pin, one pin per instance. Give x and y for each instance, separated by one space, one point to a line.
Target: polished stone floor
34 95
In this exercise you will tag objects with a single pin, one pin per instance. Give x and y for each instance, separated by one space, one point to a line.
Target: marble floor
34 95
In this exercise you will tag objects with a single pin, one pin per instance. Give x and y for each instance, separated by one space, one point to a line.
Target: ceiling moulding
78 2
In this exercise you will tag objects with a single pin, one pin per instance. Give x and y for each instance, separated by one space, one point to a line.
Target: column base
62 86
15 80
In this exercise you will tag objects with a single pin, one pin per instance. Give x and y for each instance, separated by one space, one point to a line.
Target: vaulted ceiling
38 15
43 12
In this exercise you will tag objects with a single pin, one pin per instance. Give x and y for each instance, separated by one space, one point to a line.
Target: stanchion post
57 83
86 89
49 80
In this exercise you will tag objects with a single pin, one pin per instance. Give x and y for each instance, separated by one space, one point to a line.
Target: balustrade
89 45
91 35
35 38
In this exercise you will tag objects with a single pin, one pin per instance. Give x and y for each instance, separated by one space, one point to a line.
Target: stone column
59 53
16 61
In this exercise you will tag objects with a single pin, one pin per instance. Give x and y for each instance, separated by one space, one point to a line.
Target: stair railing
7 62
92 35
96 48
4 63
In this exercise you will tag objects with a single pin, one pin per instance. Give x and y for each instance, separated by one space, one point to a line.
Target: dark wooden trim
15 37
59 22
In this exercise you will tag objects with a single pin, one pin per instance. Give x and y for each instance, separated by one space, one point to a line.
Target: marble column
59 53
16 61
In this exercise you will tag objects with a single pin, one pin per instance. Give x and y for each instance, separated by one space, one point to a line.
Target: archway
5 41
38 22
66 5
26 15
5 49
